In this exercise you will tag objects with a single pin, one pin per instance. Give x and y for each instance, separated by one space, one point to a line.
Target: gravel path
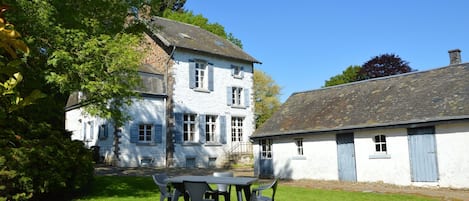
440 193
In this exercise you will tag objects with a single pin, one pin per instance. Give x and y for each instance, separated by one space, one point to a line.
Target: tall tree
348 75
266 96
86 46
384 65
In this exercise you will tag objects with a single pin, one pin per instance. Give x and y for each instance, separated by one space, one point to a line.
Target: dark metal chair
256 194
224 189
200 191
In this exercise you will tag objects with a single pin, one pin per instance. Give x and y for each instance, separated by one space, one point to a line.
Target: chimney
454 56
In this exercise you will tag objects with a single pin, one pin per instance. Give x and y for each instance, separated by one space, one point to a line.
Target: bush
43 168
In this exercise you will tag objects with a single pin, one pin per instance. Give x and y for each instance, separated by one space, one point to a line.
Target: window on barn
380 144
299 146
266 148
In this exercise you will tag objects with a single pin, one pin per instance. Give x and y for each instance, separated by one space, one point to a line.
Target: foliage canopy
266 96
384 65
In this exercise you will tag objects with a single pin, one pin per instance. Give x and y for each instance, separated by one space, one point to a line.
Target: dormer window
237 71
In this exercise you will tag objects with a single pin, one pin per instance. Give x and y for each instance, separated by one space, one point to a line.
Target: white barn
197 106
409 129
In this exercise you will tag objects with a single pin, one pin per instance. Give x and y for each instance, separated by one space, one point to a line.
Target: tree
266 96
348 75
85 46
384 65
34 159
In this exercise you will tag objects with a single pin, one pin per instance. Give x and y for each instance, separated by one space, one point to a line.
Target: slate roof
182 35
423 96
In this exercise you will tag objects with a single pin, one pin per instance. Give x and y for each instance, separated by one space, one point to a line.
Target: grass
109 188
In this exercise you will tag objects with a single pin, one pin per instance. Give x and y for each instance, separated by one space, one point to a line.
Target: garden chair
256 194
200 191
165 189
224 189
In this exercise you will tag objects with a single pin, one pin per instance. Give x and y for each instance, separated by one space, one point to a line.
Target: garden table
241 183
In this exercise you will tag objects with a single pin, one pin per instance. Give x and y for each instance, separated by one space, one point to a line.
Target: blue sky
303 43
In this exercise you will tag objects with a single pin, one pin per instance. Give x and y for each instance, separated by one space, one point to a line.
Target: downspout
169 115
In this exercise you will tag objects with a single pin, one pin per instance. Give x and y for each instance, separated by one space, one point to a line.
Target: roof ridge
175 21
381 78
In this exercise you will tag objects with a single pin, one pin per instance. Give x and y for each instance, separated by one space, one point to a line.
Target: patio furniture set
197 188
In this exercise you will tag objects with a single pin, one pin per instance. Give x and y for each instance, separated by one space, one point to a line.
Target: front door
346 157
422 151
266 165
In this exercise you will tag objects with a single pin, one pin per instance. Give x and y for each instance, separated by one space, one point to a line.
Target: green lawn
108 188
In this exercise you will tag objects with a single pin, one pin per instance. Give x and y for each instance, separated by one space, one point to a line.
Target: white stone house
197 106
408 129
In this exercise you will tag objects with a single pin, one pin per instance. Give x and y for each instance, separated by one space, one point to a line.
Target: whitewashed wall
453 154
146 110
210 103
318 162
393 167
320 157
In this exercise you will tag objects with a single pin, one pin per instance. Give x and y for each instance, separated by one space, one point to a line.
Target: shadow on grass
119 186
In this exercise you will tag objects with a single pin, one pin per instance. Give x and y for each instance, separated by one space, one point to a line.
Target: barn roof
423 96
182 35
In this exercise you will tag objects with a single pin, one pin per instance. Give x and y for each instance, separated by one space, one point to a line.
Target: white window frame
201 75
237 129
211 128
190 127
145 133
380 143
266 148
237 96
299 146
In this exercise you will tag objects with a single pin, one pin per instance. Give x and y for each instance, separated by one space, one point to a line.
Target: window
210 128
144 132
266 148
189 127
236 93
299 146
212 162
201 80
236 129
190 162
380 144
237 71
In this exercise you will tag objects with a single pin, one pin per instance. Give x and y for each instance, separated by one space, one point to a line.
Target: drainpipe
169 115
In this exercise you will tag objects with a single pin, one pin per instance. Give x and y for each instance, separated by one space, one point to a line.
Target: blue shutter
91 129
210 77
83 130
229 96
223 129
247 97
158 133
191 74
178 129
202 138
134 133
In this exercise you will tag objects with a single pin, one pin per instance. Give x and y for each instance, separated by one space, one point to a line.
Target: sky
303 43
